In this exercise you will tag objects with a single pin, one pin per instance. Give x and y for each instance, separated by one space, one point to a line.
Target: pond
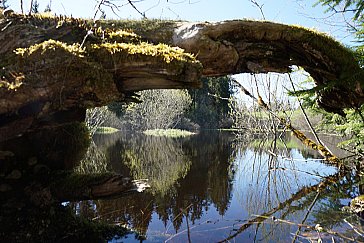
214 187
210 187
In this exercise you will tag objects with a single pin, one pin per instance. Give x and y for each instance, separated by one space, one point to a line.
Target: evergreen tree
355 6
210 104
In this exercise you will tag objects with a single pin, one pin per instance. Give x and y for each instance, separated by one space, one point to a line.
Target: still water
213 187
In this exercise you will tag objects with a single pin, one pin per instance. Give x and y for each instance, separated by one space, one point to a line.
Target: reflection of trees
161 160
208 182
196 170
264 188
94 161
211 156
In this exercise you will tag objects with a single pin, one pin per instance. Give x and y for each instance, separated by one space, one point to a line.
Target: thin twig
330 232
218 97
255 3
21 7
354 228
177 216
132 4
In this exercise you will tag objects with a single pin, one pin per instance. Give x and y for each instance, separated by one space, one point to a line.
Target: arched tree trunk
53 68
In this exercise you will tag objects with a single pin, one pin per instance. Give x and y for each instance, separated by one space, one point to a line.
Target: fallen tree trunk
53 68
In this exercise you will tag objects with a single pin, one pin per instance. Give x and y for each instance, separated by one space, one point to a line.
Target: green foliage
355 6
353 127
350 126
160 109
208 109
94 161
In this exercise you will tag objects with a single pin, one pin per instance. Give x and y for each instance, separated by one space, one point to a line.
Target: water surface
214 187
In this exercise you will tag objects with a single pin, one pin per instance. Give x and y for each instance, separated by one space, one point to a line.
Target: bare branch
132 4
259 6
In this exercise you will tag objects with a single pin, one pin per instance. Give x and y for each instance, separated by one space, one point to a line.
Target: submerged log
77 187
53 68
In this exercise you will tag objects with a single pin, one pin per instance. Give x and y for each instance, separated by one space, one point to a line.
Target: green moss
330 51
155 30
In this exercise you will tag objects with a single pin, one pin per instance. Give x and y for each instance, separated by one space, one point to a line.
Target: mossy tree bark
53 68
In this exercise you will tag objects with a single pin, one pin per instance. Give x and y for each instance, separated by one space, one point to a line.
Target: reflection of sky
256 190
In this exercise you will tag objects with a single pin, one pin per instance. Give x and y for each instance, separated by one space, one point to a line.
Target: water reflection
210 187
189 175
206 188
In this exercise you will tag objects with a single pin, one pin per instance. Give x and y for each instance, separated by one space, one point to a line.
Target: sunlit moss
119 35
12 85
44 15
75 49
166 52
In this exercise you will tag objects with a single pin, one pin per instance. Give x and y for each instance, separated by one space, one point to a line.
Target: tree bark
67 65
